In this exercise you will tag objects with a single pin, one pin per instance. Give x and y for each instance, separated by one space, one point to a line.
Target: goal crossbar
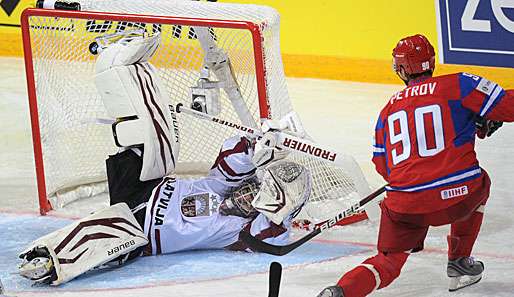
44 204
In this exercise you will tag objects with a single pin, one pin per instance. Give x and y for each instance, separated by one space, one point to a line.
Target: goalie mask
239 201
285 188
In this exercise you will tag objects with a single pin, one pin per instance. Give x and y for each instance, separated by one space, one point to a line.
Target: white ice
341 114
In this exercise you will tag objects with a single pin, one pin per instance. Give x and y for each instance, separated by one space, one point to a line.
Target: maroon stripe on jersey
227 178
224 165
240 245
273 230
158 241
148 250
240 147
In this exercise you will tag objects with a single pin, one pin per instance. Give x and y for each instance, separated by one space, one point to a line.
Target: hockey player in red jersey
424 149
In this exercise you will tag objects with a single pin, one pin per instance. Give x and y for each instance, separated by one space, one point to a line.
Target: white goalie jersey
183 214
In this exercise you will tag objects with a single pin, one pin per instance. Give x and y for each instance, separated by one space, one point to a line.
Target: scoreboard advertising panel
476 32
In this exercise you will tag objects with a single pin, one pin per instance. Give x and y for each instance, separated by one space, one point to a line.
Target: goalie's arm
234 161
263 229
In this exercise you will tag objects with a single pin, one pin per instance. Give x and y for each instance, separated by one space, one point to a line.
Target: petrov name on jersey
416 90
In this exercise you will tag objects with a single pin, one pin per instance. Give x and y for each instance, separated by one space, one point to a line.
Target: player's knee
387 265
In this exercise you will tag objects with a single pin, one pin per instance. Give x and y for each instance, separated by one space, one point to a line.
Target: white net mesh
75 148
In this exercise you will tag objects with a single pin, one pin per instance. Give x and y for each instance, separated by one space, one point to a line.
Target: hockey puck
93 48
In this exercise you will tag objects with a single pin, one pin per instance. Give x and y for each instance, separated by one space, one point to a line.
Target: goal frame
254 29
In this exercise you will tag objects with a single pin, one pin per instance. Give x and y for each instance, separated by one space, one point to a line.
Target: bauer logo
121 247
476 32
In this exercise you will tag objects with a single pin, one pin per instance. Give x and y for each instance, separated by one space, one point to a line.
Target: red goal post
69 150
44 205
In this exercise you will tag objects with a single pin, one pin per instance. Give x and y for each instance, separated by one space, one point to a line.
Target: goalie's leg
133 94
88 243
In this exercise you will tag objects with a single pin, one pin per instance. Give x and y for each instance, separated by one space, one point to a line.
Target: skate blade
460 282
36 269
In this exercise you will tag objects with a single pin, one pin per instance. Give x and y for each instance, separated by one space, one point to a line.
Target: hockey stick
280 250
287 141
275 274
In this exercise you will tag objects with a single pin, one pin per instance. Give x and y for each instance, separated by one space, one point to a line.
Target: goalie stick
288 141
280 250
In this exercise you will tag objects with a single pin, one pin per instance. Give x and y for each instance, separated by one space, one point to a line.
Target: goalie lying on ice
249 187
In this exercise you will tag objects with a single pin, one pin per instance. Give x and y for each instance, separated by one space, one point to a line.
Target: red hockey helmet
414 54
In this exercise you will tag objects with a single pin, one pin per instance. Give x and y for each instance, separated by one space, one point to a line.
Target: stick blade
275 275
276 250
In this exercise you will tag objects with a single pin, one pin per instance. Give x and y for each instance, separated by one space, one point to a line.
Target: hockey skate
37 266
332 291
463 272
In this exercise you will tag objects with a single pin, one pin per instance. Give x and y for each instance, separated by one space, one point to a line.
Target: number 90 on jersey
400 132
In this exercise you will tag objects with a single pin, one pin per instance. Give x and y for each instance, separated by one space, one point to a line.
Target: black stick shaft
280 250
275 275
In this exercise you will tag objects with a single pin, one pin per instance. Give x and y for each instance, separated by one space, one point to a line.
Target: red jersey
425 138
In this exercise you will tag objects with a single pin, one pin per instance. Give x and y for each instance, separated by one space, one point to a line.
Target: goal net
70 147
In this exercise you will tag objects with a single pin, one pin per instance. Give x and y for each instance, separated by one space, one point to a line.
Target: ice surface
341 114
150 271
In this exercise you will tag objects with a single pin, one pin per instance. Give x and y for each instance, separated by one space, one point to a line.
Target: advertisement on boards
476 32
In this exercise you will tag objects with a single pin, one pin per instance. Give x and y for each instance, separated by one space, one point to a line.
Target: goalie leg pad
91 242
135 96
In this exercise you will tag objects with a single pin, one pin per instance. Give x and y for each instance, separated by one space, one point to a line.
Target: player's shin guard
463 235
374 273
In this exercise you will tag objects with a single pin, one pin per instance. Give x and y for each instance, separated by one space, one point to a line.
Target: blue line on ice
17 231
